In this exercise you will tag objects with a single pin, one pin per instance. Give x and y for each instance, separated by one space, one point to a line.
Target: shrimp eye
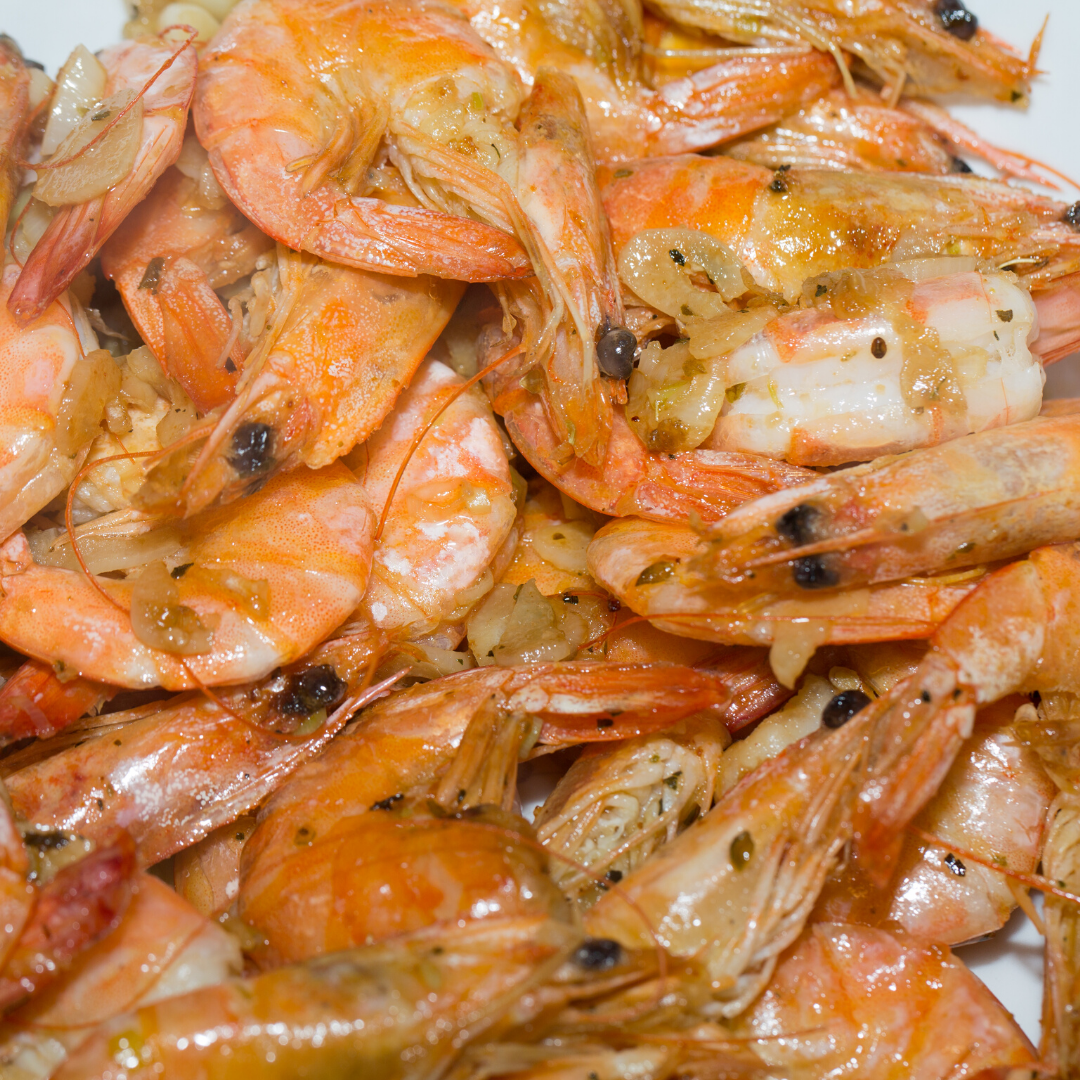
615 352
959 165
252 449
598 954
312 689
1071 216
843 707
811 573
797 524
956 19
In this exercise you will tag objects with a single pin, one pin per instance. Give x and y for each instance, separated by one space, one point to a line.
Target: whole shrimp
152 82
227 755
628 118
941 511
932 48
227 597
401 1010
790 225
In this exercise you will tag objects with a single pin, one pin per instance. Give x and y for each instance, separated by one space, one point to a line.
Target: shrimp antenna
42 166
418 438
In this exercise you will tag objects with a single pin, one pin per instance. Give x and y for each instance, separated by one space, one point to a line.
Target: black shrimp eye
843 707
252 449
956 19
1071 216
810 572
598 954
959 165
615 352
797 524
312 689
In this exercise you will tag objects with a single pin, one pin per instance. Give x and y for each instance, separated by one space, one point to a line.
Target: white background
1011 964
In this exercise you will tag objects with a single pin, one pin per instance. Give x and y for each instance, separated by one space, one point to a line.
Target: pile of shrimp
531 546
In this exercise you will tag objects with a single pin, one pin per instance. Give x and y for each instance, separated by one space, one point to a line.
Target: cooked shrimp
342 345
877 361
267 104
156 82
386 1010
735 888
167 257
403 744
161 947
15 110
34 702
616 806
648 566
993 803
841 131
54 386
851 1001
451 512
989 496
933 49
222 764
242 590
628 119
791 225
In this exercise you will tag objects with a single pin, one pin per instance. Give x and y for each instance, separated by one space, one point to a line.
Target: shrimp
450 514
34 702
167 257
400 1010
931 49
160 948
735 888
266 127
874 362
840 131
852 1001
647 566
950 509
15 110
342 346
447 117
403 745
615 807
628 119
222 763
794 224
156 83
994 803
242 590
54 386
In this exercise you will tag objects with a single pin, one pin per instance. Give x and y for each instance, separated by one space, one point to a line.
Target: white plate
1011 963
